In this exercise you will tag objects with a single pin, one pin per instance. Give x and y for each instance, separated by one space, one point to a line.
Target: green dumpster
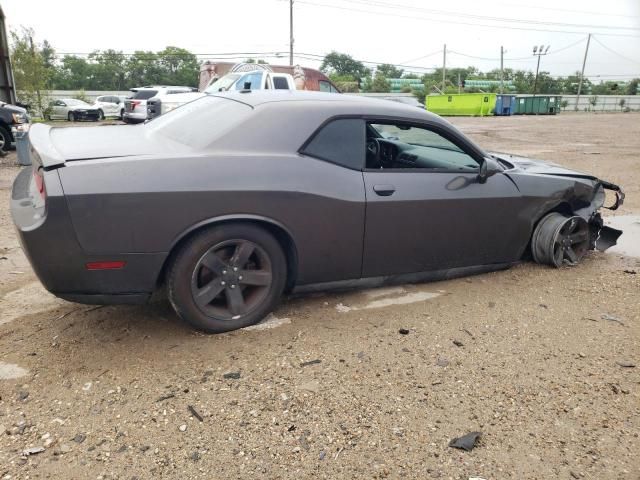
538 105
474 104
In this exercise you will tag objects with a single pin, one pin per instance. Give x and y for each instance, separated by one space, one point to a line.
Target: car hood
542 167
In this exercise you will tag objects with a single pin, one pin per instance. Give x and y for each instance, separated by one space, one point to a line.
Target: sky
402 32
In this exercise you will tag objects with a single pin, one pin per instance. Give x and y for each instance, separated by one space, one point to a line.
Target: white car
111 105
252 80
73 109
135 107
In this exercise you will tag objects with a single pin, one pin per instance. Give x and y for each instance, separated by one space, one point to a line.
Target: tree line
38 68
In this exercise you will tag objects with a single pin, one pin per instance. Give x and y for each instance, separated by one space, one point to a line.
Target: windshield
223 83
199 123
72 102
143 94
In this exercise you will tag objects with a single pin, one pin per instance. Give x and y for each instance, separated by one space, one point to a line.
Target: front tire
100 115
5 140
227 277
560 240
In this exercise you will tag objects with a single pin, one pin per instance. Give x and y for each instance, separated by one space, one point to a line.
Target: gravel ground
366 384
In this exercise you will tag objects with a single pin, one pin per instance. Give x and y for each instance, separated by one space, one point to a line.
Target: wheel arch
281 233
560 207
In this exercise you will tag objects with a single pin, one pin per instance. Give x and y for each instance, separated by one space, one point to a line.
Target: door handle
384 190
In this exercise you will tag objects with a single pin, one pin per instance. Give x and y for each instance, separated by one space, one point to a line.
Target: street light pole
291 32
538 52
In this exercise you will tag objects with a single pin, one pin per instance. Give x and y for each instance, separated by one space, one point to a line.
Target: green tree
179 67
258 61
377 84
73 73
109 70
632 87
342 64
389 71
143 69
30 71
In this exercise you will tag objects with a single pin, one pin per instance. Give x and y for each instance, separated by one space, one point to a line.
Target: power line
432 20
482 17
582 12
616 53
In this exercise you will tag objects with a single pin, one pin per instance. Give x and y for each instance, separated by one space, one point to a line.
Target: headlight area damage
564 239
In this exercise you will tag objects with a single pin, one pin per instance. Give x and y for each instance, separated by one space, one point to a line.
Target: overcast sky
391 31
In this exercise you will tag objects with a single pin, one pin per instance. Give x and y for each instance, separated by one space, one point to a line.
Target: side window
324 86
401 146
280 83
341 141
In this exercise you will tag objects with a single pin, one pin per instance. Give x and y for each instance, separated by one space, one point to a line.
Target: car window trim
459 141
306 143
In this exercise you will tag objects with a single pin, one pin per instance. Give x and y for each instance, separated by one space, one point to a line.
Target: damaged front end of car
602 236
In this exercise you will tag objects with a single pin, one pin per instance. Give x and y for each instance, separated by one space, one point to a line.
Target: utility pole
459 84
444 67
501 69
291 32
584 63
538 52
33 55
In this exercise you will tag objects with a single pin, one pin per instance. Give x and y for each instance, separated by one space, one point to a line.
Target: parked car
254 80
111 105
73 109
231 214
10 117
135 107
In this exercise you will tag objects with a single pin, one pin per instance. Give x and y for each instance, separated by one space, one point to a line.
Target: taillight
134 104
39 181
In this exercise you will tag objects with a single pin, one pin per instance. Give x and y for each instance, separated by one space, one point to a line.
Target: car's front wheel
100 115
560 240
5 139
227 277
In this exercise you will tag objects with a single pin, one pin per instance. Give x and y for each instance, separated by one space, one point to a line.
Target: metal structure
7 84
538 52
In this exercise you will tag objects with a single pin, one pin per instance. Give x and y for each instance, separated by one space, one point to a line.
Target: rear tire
227 277
71 117
122 114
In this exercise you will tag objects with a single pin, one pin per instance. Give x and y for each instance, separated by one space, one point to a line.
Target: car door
59 110
426 207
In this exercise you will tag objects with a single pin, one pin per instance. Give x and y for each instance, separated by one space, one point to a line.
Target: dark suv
10 116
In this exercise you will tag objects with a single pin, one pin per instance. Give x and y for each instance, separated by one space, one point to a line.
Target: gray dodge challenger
233 199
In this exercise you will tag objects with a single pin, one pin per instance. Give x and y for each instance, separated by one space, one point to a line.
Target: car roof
341 103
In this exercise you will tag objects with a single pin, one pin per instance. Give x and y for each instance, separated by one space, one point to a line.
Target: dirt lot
130 392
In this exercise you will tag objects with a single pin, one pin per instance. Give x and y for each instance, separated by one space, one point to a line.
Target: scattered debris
9 371
542 305
270 322
322 455
23 395
626 364
231 375
32 451
492 304
195 456
166 397
182 428
458 343
195 413
466 442
467 332
630 272
310 362
79 438
403 331
611 318
291 428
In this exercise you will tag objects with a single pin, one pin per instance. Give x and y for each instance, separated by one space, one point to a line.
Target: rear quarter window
341 141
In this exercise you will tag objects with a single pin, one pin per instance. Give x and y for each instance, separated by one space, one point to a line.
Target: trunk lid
55 146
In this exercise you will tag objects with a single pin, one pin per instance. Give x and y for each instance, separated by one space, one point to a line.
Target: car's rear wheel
121 114
71 117
560 239
227 277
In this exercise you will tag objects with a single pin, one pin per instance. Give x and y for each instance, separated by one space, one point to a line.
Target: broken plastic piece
466 442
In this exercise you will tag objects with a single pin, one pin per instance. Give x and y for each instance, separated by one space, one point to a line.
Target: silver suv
135 107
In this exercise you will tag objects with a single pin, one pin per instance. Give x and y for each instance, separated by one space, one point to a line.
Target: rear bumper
135 117
49 242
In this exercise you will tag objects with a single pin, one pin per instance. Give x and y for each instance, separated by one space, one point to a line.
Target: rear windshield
199 123
143 94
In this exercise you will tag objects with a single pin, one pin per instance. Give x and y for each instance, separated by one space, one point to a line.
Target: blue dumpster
21 136
505 104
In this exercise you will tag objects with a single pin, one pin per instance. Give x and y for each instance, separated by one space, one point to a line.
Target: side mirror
488 168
